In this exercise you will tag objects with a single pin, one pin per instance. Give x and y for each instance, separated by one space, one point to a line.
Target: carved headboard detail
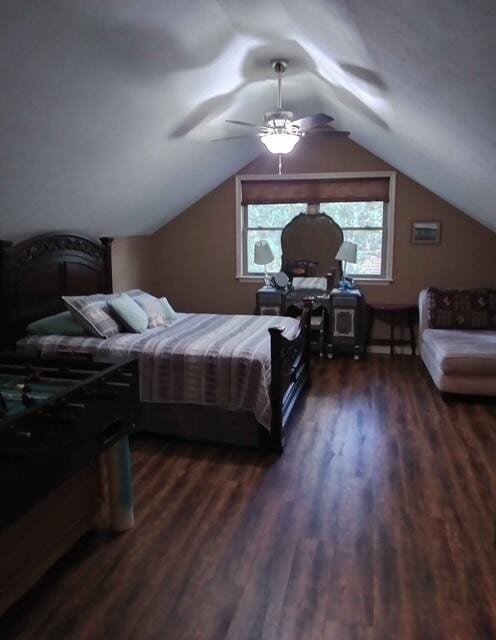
34 274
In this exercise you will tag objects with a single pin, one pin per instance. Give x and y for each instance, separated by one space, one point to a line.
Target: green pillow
61 324
129 313
169 313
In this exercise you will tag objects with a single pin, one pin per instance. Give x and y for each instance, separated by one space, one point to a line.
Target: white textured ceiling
107 109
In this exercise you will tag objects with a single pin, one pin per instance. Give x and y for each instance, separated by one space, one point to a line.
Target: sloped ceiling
108 109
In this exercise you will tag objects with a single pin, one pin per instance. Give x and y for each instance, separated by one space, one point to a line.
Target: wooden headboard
34 274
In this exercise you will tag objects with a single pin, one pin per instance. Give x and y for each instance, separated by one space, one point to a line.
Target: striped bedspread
199 359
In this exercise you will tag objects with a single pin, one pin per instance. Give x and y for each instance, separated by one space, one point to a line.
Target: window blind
320 190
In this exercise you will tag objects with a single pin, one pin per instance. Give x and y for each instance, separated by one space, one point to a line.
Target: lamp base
266 277
346 284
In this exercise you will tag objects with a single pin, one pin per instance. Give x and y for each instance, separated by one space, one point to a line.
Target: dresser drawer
344 301
269 298
270 310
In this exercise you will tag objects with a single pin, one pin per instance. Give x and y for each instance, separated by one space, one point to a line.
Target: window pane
273 237
355 214
369 252
273 215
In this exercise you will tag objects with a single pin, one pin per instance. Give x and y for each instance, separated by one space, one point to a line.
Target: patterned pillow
458 308
93 313
151 306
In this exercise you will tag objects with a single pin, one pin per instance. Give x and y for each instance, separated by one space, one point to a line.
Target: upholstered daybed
457 339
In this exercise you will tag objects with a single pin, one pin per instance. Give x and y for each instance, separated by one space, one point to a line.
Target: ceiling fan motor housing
279 115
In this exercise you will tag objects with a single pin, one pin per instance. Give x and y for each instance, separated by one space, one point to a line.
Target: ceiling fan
281 132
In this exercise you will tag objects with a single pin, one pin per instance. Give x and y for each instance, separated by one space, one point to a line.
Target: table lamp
347 252
263 255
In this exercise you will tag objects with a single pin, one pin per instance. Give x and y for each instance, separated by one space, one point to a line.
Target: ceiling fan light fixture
280 141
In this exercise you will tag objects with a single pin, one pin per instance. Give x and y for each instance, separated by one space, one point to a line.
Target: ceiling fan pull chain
280 164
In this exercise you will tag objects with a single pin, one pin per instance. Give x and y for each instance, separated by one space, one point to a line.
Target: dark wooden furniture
390 312
271 301
35 273
275 302
345 323
309 243
51 451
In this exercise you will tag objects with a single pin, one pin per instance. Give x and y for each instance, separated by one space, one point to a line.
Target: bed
233 379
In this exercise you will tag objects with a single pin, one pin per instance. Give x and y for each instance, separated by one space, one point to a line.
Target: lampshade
263 252
347 252
280 141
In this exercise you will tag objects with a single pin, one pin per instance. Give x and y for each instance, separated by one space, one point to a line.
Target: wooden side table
391 311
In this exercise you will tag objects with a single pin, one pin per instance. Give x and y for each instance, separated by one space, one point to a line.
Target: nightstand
271 302
346 325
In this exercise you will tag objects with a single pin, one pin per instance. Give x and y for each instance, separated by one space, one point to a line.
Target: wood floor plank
377 523
339 631
304 612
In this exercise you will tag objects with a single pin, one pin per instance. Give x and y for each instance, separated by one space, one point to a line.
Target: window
367 223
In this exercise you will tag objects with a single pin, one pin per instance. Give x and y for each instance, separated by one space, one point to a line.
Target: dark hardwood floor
377 523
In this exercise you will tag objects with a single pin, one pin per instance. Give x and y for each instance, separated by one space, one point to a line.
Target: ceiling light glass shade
280 141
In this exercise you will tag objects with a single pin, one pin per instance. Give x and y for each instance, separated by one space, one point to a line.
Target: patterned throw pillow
458 308
93 313
151 306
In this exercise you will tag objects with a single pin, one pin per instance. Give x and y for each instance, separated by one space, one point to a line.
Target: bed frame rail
290 374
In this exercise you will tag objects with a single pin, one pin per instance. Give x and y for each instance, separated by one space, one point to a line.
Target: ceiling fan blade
310 122
331 133
246 135
243 124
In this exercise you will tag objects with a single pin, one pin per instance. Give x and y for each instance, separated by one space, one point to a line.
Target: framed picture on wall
426 232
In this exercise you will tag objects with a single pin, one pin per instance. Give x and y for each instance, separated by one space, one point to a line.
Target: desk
391 311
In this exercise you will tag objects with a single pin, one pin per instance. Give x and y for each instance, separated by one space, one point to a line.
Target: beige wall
132 263
194 256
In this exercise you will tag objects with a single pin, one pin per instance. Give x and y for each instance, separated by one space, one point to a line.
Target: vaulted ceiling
108 109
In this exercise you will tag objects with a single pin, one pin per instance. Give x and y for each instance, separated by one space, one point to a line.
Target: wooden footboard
290 374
